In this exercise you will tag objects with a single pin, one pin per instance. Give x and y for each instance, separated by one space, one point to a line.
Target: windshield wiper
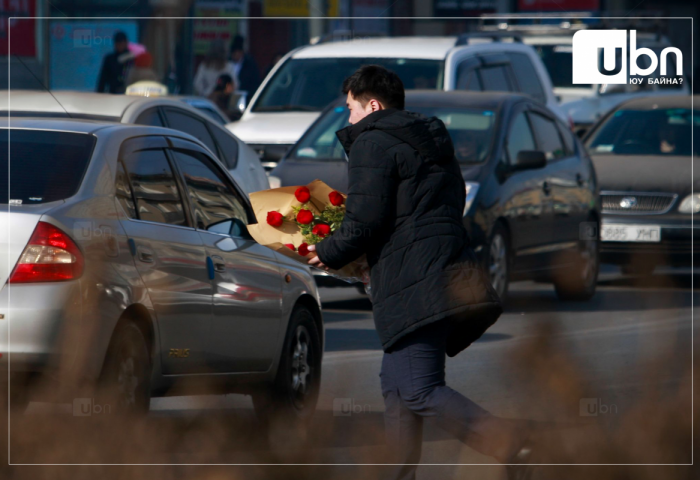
286 108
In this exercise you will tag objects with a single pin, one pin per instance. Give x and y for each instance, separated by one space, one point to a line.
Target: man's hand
315 261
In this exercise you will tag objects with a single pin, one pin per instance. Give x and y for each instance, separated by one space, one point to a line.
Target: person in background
142 69
221 96
245 69
143 80
213 65
115 66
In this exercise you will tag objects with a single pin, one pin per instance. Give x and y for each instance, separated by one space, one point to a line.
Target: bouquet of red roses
296 217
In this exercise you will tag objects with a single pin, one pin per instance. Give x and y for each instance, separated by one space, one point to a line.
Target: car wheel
578 281
125 383
291 400
497 261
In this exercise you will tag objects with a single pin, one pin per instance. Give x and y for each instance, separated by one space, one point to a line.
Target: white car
586 104
307 79
238 158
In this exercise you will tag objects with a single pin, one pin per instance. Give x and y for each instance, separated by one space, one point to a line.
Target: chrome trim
672 203
547 248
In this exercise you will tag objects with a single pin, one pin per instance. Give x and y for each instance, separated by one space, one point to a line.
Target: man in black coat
245 67
115 66
429 295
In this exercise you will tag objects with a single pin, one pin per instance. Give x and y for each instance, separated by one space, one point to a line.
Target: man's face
237 55
357 111
120 47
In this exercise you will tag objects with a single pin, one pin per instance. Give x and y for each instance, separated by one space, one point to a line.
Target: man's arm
372 180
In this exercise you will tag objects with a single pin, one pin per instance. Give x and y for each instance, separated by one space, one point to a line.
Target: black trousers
413 386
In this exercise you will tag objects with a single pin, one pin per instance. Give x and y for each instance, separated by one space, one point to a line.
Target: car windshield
647 132
558 61
472 132
43 166
309 84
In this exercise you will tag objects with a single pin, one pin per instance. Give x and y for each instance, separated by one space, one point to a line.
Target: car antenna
42 84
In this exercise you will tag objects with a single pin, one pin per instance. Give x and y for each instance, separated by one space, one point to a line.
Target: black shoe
519 465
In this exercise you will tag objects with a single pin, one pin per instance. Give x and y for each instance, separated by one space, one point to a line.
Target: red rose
302 194
321 230
275 219
305 216
336 198
303 249
290 245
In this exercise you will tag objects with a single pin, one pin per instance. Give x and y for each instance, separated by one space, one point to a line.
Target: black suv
532 207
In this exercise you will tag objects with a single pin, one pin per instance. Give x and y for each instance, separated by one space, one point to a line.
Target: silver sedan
125 260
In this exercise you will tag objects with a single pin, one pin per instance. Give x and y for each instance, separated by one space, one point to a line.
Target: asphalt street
610 343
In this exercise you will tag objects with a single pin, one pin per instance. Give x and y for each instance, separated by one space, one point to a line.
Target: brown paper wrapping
282 200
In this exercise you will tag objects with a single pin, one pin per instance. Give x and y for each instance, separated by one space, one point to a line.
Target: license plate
630 233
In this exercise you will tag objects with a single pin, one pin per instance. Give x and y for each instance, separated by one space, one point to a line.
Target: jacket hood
427 135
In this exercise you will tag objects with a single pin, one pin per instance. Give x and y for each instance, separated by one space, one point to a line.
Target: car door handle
219 263
144 254
546 188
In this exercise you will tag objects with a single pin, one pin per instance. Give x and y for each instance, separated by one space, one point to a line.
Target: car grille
636 203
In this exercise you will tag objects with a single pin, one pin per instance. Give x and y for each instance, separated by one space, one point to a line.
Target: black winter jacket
404 211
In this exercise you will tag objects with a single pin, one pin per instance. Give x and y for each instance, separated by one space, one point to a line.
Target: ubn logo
586 57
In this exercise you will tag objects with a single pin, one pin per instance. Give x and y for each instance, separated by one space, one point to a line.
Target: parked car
642 151
205 106
309 78
126 253
586 104
532 198
240 160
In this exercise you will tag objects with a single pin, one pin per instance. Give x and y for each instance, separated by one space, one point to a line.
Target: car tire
288 405
577 282
125 382
497 260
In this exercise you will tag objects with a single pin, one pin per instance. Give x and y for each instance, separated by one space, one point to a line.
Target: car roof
429 48
85 103
654 102
88 126
488 100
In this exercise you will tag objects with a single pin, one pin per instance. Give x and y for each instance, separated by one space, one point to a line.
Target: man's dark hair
237 43
375 81
119 36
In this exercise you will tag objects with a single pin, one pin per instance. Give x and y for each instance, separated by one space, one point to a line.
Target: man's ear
376 105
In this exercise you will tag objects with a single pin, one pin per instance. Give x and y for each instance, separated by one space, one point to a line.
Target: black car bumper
679 244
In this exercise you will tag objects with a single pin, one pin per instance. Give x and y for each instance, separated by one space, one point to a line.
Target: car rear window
43 166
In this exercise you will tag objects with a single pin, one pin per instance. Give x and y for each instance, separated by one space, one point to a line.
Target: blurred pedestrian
209 70
222 94
115 66
245 69
430 296
143 80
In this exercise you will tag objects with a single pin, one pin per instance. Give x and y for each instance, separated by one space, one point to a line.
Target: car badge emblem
628 202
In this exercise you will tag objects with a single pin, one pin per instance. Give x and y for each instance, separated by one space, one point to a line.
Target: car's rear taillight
50 256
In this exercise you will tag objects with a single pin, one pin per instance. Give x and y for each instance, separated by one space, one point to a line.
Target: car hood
282 127
646 173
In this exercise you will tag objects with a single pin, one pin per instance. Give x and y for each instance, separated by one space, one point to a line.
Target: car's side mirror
530 159
581 132
239 229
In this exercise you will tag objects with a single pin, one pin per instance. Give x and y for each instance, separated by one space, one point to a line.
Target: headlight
690 204
472 189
